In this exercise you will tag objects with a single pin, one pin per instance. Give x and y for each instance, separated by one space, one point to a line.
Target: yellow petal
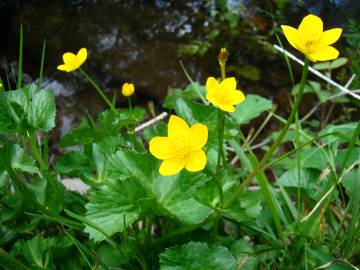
177 127
324 54
310 27
329 37
195 161
198 136
211 97
291 35
69 57
228 84
236 97
211 84
226 107
81 56
160 147
171 166
63 68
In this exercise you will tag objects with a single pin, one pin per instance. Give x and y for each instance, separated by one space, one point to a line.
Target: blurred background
142 42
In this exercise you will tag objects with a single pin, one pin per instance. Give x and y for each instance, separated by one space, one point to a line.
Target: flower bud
127 89
223 56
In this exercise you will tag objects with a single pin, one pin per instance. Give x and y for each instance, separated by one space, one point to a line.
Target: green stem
41 73
221 124
273 148
278 139
130 106
298 161
98 89
44 168
20 187
19 82
223 73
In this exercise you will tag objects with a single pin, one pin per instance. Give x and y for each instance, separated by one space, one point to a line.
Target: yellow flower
224 95
127 89
72 61
181 148
310 39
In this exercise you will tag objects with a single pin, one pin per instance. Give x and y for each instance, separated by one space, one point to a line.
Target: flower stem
98 89
130 106
44 169
221 124
272 149
223 73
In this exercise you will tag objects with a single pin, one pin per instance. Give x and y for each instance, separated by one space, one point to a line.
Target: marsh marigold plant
311 40
224 95
182 148
73 61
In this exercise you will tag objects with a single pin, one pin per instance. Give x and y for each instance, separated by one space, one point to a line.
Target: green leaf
344 131
81 136
242 251
27 109
143 191
251 108
35 252
42 109
197 256
110 122
173 193
90 166
13 105
73 164
314 158
15 156
11 206
313 87
246 207
349 182
114 257
38 189
307 180
113 207
189 94
331 64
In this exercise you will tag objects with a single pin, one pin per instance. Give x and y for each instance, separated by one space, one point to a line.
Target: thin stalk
272 149
217 179
287 61
130 106
193 83
355 198
80 247
90 224
298 161
45 150
41 73
223 73
19 82
44 168
220 124
98 89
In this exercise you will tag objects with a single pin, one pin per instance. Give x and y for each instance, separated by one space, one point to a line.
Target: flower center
310 44
180 145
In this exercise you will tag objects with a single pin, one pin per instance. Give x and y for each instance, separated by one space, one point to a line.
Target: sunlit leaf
197 256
